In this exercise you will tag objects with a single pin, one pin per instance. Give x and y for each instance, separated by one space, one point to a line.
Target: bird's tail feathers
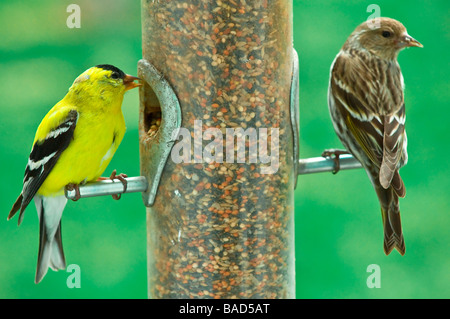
390 212
51 252
17 205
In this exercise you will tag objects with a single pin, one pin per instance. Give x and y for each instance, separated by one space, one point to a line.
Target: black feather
55 145
116 72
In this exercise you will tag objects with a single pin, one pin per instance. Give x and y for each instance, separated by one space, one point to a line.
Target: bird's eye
115 75
386 34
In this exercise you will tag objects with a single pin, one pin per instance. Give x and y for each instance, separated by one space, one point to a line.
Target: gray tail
51 252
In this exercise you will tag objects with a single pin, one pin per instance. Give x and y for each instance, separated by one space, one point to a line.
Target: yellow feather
362 140
53 118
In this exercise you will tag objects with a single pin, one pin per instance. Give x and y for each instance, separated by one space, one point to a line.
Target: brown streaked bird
366 104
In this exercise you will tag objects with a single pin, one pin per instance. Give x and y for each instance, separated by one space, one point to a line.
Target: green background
338 223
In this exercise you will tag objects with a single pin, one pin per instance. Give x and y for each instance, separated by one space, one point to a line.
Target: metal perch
326 164
139 184
109 187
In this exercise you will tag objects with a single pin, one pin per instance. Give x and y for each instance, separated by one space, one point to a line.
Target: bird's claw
76 188
121 177
334 155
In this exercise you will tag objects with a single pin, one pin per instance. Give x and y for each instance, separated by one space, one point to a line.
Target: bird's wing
349 92
393 141
371 101
52 138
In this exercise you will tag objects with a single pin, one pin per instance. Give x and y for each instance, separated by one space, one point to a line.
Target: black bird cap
116 72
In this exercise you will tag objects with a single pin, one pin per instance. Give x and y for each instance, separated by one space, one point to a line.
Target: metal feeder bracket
154 152
293 107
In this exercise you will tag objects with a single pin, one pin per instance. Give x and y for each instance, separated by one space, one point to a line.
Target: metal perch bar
322 164
139 184
108 187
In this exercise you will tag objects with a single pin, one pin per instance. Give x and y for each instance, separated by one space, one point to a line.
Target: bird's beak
129 83
409 41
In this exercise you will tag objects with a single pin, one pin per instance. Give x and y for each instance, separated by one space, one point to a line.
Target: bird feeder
219 148
222 222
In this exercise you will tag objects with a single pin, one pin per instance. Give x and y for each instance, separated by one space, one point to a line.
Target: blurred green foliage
338 223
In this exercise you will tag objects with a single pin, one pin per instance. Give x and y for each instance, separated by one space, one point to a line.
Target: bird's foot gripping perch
334 155
76 188
121 177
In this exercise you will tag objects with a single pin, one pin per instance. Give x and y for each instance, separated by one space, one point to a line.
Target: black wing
43 158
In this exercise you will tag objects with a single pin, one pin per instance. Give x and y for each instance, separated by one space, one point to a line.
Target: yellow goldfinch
73 145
